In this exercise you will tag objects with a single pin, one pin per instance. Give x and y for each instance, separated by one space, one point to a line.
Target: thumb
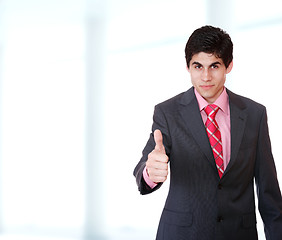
158 137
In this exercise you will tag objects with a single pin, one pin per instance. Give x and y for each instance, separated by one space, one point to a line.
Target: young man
217 143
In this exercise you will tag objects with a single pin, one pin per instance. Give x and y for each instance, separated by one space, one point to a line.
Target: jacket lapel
189 111
238 118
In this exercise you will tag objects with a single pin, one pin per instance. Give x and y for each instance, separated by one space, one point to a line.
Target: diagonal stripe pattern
214 137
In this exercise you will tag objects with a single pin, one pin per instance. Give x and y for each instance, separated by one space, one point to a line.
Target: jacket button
219 186
219 219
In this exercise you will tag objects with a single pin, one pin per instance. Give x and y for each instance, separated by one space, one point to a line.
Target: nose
206 75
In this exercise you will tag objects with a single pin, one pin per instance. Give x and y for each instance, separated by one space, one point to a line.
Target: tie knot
211 110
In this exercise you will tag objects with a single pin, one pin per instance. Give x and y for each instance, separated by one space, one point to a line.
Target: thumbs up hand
157 162
158 137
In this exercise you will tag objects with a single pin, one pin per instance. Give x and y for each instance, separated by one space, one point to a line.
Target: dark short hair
209 39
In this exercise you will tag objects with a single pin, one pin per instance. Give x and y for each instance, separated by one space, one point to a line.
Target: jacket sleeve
269 195
159 122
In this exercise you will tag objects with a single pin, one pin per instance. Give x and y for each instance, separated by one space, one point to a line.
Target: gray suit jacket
199 204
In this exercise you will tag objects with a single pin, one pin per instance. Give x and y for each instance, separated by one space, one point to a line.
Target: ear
228 70
187 68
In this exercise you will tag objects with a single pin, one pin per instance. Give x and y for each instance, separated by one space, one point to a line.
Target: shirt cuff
149 182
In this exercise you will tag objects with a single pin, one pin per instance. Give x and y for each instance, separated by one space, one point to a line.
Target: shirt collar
222 101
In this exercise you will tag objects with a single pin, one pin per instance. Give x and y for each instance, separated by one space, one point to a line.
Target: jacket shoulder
182 98
171 102
244 102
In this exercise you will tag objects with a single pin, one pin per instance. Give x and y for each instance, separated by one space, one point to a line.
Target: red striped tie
214 137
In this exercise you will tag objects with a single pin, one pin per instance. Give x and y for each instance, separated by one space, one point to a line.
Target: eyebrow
197 63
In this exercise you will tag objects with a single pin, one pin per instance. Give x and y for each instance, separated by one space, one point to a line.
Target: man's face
208 75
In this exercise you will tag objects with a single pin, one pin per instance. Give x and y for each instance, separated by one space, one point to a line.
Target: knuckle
150 155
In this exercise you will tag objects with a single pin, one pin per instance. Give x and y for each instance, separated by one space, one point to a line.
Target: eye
214 66
198 66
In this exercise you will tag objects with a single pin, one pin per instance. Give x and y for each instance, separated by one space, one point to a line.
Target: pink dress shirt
223 120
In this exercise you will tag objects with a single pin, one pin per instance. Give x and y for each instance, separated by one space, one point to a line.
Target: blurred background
78 83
